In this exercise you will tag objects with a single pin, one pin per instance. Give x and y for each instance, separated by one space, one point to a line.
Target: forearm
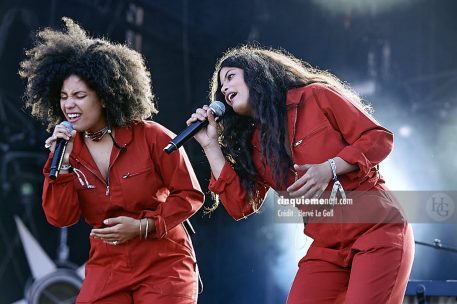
60 203
343 167
215 158
178 207
146 227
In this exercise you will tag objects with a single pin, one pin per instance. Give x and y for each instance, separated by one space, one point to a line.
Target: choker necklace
98 135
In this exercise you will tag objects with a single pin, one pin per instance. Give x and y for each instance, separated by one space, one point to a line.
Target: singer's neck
101 153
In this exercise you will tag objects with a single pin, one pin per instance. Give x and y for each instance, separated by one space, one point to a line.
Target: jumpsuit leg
144 297
121 297
379 275
319 281
185 293
159 271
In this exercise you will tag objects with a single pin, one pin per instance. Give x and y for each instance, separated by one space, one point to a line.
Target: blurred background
400 55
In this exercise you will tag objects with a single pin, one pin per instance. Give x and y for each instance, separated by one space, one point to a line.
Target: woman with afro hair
303 132
114 172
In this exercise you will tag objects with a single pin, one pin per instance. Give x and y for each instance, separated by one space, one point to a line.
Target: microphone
57 158
218 109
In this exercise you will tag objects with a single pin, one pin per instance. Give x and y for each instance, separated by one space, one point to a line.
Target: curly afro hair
116 73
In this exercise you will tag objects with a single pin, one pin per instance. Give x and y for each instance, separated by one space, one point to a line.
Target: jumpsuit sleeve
368 142
232 194
185 195
60 199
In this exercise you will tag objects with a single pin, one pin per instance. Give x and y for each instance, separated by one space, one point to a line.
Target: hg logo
440 207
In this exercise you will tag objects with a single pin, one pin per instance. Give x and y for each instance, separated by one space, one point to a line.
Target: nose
69 103
224 89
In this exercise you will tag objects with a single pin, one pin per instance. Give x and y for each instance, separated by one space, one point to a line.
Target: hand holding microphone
61 143
201 125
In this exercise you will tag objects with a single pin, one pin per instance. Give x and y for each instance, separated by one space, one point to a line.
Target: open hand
313 183
120 230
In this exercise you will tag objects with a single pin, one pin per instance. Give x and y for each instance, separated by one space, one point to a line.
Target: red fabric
376 275
322 124
143 182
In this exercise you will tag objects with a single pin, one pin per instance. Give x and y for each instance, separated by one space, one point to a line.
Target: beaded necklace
97 135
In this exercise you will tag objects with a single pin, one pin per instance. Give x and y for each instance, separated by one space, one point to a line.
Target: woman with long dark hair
114 173
298 129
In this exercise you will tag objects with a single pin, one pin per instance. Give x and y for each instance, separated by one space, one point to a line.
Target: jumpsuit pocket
134 173
306 144
178 265
179 238
307 135
138 186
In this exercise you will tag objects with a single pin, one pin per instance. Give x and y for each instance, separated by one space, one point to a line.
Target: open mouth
73 116
231 96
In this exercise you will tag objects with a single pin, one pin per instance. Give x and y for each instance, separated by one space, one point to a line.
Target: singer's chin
78 127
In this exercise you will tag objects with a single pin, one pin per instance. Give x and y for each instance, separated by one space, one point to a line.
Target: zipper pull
126 175
295 174
107 190
298 143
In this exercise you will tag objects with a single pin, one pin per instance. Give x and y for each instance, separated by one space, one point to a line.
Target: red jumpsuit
143 182
348 262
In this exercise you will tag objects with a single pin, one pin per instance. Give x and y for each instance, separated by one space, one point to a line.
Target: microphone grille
218 108
67 125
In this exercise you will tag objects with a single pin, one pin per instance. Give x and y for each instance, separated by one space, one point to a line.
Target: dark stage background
399 54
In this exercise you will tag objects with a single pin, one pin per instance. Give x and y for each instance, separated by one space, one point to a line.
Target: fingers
297 184
60 131
307 191
49 143
108 235
300 188
104 231
304 184
120 229
312 184
114 220
211 117
114 226
304 167
200 114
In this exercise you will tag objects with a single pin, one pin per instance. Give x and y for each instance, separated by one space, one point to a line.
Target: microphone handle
185 135
57 159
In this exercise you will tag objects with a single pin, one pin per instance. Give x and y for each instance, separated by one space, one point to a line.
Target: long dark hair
269 74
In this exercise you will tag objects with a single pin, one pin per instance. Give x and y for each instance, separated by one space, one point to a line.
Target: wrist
140 229
332 166
326 167
146 227
337 187
152 227
212 146
65 168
